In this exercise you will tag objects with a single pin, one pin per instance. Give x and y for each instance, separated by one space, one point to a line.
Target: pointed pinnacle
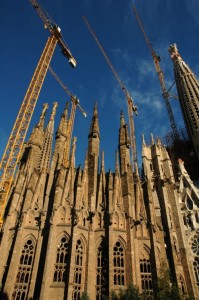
122 119
152 139
65 113
143 140
43 114
55 105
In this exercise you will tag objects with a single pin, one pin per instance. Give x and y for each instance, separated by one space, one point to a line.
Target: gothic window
175 246
61 260
195 249
189 203
118 264
182 285
145 272
101 272
77 280
24 271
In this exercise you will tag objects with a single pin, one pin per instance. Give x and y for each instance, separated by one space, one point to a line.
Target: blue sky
23 39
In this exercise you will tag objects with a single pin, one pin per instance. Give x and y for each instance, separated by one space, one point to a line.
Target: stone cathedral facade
70 230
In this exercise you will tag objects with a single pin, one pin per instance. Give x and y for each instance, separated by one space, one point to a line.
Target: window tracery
182 285
118 264
145 272
24 271
195 249
101 272
77 280
61 260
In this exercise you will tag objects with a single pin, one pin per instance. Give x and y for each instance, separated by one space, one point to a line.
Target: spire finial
152 139
45 107
55 105
159 141
65 113
173 50
122 118
43 114
143 140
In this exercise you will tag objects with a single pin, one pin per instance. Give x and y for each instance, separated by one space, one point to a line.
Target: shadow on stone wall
3 296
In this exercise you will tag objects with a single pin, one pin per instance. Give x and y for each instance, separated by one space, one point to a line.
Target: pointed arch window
101 272
61 260
118 264
22 280
78 270
182 285
145 272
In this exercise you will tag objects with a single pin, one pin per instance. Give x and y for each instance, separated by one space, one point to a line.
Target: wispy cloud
145 69
193 8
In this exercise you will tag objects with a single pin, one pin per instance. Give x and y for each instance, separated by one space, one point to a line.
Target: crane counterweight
54 30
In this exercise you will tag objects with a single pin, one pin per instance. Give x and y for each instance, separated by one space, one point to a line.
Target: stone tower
188 91
71 230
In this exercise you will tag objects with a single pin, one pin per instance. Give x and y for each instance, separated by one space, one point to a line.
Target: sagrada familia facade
70 230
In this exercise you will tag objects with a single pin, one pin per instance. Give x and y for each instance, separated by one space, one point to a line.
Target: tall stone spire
94 128
36 135
124 144
60 140
188 91
93 157
32 149
44 160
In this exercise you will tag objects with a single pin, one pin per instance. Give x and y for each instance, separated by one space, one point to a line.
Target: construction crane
75 104
132 109
165 93
14 146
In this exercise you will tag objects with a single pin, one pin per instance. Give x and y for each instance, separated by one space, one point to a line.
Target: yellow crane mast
130 104
75 104
14 146
165 93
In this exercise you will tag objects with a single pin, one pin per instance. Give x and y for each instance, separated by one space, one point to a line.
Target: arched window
77 280
102 272
118 264
61 260
24 271
195 249
182 285
145 272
